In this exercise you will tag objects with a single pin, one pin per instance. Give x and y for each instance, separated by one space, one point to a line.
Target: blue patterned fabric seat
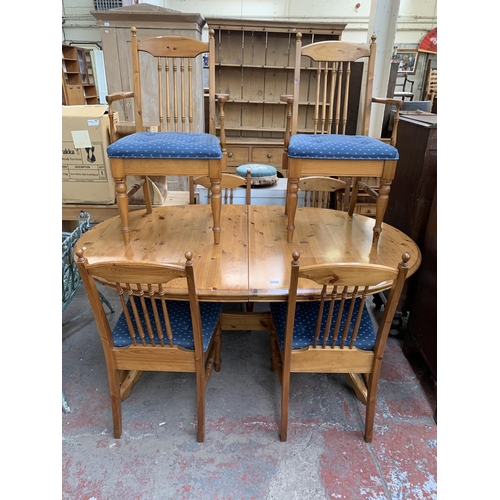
166 145
340 147
305 323
180 321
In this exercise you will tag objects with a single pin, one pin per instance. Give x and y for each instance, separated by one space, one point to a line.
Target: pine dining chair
153 333
317 143
334 334
175 149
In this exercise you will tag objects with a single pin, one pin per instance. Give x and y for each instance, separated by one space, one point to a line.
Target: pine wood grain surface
253 260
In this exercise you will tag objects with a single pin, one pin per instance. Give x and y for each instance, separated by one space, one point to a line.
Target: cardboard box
86 173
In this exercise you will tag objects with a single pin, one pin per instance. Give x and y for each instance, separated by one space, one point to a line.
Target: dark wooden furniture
422 323
411 209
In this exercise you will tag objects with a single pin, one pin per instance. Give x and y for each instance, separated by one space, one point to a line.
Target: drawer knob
230 154
269 155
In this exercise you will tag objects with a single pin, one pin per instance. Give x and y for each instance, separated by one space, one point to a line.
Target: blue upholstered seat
180 320
340 147
305 323
166 145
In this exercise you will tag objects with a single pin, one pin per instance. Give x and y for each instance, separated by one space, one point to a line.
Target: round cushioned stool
261 175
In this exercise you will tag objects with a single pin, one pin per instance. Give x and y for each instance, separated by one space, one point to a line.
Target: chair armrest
398 103
110 99
116 96
222 99
386 100
288 125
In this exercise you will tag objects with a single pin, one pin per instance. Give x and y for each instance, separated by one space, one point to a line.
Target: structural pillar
383 23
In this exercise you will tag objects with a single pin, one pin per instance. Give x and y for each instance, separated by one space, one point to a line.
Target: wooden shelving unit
78 79
255 65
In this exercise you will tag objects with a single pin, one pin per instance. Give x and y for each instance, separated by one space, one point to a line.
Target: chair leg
291 206
200 395
371 402
147 195
216 202
353 196
274 352
381 207
218 346
116 402
122 202
285 396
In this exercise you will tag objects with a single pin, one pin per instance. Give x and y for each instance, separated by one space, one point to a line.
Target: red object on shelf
430 42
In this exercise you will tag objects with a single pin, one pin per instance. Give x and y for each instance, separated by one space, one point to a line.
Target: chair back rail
332 63
228 183
319 189
175 57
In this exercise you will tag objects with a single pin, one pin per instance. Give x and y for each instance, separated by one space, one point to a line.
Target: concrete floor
158 458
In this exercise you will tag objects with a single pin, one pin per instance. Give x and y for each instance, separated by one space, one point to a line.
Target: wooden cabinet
78 79
422 324
254 65
412 209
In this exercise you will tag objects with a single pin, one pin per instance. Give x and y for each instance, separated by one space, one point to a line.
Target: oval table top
252 262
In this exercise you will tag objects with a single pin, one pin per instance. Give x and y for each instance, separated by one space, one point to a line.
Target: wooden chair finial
189 258
79 254
295 257
406 257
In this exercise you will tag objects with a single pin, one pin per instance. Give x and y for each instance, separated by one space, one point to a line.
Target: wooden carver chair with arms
325 148
175 149
334 334
153 333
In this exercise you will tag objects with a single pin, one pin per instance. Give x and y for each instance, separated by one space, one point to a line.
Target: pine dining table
252 262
